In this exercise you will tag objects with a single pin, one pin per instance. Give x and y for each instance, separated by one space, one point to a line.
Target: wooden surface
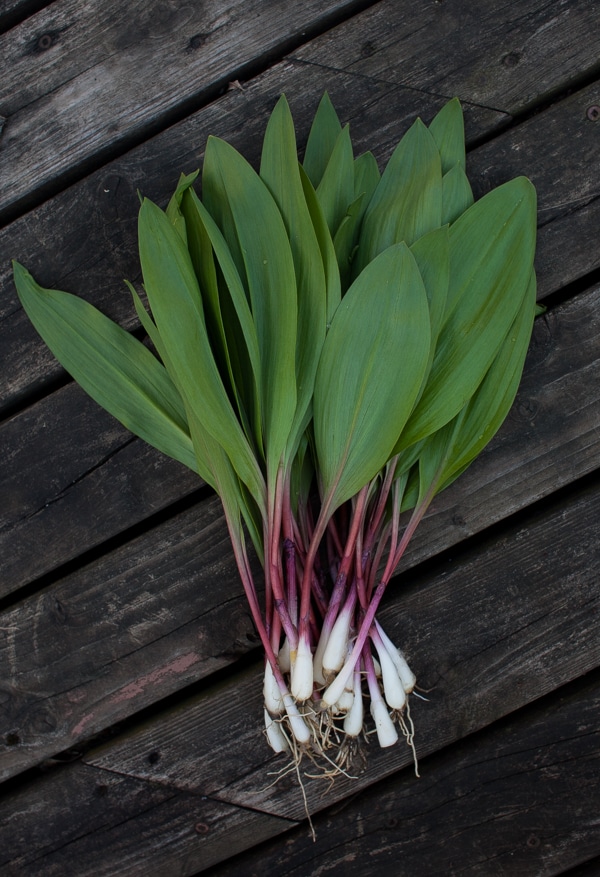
130 705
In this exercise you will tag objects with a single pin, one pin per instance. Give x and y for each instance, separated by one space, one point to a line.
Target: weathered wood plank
13 11
85 78
516 53
480 665
120 826
519 799
147 620
85 239
165 596
72 476
477 663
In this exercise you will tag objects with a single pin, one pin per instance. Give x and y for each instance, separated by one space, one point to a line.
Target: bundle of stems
332 347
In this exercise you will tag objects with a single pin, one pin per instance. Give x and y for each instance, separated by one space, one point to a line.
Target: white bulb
386 732
337 645
302 672
300 729
393 689
277 739
353 723
345 701
271 692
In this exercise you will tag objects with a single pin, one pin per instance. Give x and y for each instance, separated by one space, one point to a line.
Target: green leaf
173 210
432 254
242 205
336 189
280 171
322 138
491 256
229 321
366 176
456 194
448 131
371 369
204 465
115 369
345 237
174 299
488 407
407 202
328 254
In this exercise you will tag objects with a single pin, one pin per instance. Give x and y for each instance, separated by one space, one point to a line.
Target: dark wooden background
130 703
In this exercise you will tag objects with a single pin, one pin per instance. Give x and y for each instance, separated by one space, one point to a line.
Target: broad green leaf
456 194
336 189
491 256
488 407
115 369
432 254
370 373
345 237
448 452
280 171
448 130
173 210
366 176
232 190
203 464
174 298
198 218
322 138
229 322
328 255
407 202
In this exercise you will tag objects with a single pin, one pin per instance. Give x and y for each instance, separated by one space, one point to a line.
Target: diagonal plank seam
396 86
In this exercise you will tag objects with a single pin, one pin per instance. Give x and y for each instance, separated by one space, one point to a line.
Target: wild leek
332 348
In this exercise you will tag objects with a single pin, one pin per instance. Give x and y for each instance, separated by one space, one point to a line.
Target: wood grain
73 477
120 826
509 56
480 666
146 620
86 78
519 799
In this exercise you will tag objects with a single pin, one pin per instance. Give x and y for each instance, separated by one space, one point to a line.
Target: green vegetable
334 346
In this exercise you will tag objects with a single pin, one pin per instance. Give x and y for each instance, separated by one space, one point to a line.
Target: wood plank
121 826
98 215
480 666
13 11
83 79
72 477
520 798
162 600
147 620
509 56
